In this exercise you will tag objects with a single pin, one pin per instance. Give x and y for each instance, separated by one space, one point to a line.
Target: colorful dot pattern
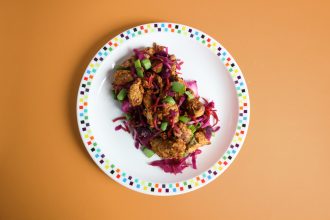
163 188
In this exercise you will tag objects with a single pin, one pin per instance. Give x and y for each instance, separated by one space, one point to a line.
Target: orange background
282 171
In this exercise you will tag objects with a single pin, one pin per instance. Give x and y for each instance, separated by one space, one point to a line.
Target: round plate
219 79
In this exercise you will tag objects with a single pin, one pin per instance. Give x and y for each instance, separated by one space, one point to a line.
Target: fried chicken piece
168 149
149 50
149 116
135 93
121 77
195 107
183 132
127 63
168 108
199 140
147 99
158 48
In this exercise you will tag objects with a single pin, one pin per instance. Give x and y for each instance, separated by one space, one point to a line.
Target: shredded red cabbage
208 132
139 54
125 106
119 118
192 84
177 166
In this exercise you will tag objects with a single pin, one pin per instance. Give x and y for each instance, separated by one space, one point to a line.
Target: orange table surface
283 169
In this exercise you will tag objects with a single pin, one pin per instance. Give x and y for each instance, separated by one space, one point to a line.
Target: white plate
219 79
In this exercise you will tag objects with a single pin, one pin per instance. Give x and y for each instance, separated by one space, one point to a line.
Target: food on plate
163 111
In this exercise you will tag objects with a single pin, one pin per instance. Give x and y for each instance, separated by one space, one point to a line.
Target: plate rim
179 187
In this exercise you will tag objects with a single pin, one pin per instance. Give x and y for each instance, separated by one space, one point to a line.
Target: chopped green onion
122 94
184 119
139 71
190 95
137 64
163 126
149 153
178 87
192 128
146 64
169 100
